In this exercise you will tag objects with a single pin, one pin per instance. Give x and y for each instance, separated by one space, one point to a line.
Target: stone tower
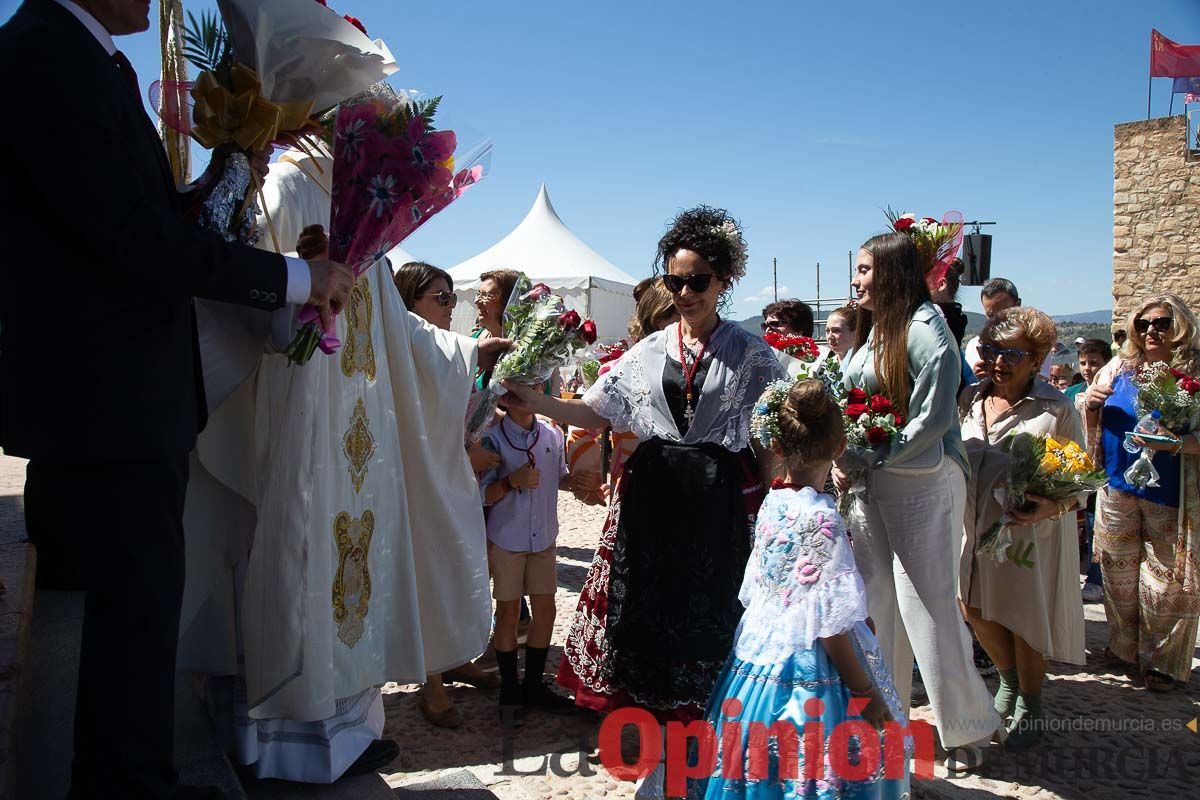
1156 214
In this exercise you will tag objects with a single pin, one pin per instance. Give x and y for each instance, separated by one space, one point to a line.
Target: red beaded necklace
689 373
780 483
528 451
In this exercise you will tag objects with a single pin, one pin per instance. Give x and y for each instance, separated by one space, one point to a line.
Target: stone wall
1156 214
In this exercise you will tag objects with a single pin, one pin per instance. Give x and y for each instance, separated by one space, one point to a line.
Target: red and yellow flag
1172 60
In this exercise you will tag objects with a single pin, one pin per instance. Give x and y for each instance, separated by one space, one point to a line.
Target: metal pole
818 288
850 264
1171 107
775 276
1148 88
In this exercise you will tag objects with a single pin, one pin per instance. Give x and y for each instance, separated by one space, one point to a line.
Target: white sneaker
1093 593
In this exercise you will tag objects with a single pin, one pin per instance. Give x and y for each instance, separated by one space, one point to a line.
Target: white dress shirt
299 279
526 520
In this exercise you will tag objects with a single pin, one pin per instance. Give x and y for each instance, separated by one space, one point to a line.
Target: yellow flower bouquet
1042 465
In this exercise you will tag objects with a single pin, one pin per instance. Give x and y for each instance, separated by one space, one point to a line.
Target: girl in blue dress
803 651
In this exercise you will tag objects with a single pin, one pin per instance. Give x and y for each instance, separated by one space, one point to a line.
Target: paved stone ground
1117 739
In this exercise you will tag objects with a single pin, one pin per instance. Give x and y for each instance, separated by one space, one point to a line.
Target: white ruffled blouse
739 367
801 582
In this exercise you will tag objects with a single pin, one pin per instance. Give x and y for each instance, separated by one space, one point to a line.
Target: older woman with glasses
1027 609
428 292
1148 539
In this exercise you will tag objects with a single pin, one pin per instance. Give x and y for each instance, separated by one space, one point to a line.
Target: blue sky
803 119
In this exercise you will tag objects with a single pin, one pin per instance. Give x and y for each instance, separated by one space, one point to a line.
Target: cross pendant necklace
689 376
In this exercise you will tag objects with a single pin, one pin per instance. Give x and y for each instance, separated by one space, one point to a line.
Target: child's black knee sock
506 660
535 665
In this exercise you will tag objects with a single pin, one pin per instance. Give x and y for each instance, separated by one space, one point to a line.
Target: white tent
545 249
398 257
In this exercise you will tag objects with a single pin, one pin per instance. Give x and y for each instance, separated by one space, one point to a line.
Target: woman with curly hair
916 494
684 512
1025 610
1148 539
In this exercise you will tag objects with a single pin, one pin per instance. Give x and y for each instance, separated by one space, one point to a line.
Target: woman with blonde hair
1027 609
1147 539
654 309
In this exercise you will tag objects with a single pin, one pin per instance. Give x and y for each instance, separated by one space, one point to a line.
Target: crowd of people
340 530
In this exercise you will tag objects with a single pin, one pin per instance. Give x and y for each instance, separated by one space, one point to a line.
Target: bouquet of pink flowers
392 171
546 334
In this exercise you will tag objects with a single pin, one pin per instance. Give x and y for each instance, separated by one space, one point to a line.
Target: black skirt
685 533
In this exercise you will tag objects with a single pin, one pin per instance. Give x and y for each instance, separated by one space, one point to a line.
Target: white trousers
907 553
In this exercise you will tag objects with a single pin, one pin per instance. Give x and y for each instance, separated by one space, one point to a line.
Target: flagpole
1148 86
1171 107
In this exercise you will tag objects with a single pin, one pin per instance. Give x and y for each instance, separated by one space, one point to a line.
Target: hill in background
1088 324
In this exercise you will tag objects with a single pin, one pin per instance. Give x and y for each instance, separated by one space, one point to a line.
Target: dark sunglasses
697 283
771 325
1160 324
443 298
1011 355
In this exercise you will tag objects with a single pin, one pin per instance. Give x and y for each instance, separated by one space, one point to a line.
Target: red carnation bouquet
546 335
871 423
800 347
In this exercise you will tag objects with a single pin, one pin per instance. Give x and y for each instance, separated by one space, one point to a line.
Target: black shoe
919 696
378 755
539 696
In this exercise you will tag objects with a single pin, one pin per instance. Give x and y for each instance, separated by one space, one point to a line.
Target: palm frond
206 44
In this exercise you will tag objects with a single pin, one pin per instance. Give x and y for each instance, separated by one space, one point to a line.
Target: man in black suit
100 383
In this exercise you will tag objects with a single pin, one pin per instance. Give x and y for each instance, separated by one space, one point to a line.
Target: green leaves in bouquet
425 109
518 309
207 47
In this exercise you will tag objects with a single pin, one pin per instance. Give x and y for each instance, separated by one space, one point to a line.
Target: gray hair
997 285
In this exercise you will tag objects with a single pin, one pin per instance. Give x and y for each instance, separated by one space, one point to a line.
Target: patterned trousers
1150 621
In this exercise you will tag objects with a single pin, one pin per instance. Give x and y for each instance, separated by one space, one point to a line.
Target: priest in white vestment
349 478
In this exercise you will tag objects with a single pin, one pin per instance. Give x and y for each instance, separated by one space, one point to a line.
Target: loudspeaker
977 258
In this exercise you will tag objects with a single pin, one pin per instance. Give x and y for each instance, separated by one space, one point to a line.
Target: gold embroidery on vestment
358 444
358 353
352 580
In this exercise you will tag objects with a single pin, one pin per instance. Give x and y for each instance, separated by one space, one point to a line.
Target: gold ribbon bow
242 116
